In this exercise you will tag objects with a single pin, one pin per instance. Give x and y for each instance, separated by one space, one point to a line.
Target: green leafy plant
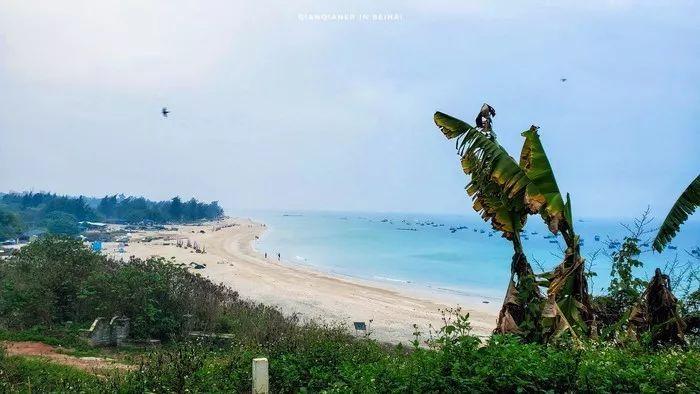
681 209
505 192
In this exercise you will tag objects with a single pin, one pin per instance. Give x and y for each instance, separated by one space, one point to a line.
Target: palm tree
504 192
684 207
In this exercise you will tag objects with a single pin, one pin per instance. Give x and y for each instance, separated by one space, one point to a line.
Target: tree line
61 214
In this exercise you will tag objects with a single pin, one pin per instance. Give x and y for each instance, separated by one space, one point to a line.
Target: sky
280 105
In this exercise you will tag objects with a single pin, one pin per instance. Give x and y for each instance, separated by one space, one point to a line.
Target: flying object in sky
563 79
165 112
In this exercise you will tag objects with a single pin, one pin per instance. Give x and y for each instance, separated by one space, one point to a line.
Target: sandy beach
231 258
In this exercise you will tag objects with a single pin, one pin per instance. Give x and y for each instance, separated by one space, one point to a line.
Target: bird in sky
165 112
563 79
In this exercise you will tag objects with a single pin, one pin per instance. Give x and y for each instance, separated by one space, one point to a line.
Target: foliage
682 208
61 223
56 280
61 214
10 224
624 289
504 192
19 374
138 209
486 162
304 357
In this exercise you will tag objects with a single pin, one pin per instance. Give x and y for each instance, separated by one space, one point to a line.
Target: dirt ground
38 349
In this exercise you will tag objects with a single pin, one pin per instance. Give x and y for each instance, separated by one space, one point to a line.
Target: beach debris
198 266
217 228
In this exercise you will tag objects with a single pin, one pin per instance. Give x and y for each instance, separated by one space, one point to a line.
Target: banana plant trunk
516 316
568 305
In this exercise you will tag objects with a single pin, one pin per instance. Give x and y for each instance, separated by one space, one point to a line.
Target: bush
56 280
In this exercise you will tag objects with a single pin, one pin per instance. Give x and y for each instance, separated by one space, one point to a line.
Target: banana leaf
684 207
490 196
534 161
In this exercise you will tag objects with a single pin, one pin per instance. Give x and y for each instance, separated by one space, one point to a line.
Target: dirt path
38 349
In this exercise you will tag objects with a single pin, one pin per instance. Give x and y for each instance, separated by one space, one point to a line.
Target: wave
391 279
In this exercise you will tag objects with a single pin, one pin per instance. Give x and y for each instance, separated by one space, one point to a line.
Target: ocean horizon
445 252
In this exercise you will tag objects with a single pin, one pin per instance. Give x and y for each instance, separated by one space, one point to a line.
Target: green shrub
56 285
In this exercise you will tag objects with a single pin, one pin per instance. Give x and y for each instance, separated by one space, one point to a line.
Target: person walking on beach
265 255
279 256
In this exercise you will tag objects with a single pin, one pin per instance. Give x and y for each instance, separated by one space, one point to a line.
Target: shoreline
232 259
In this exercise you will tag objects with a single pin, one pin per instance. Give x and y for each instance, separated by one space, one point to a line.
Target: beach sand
231 259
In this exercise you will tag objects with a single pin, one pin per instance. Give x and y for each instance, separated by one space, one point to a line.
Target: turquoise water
397 248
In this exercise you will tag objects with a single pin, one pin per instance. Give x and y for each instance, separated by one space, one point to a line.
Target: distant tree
10 224
176 208
191 210
213 210
58 222
108 206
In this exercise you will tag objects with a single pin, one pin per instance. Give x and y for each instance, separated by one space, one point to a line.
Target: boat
672 247
482 231
534 233
553 241
597 237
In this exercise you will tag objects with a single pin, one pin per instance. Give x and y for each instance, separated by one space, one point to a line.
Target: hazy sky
271 109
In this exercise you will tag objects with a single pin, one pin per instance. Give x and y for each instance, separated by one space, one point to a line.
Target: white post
261 379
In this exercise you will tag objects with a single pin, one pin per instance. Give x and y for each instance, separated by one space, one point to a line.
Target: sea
453 253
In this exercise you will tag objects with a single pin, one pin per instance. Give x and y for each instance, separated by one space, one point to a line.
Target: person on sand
265 255
279 256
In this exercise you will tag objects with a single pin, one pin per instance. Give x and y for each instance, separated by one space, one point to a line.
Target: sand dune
231 259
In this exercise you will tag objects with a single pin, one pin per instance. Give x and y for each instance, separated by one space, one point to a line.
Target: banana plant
568 302
507 214
523 188
656 312
684 207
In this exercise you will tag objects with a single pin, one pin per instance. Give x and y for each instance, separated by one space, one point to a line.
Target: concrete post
261 379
